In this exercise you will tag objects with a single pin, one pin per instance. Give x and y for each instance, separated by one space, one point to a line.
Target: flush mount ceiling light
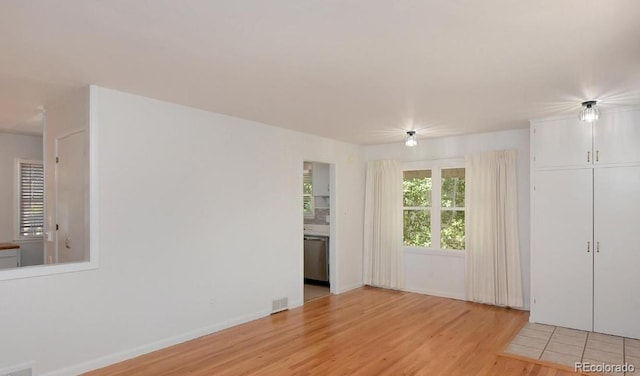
411 140
589 112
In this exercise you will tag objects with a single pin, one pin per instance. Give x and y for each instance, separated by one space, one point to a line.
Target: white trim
19 367
93 263
117 357
344 289
94 206
436 204
435 252
440 294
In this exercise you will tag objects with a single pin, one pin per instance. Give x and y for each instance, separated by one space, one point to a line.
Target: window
307 193
417 208
452 209
433 208
30 199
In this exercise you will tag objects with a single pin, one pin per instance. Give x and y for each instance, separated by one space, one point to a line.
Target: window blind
31 199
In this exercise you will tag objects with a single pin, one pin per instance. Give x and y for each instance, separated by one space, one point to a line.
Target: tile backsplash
320 217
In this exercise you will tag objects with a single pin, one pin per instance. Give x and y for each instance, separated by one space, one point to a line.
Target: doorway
317 252
71 205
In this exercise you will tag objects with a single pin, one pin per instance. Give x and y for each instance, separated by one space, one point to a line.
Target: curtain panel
383 253
493 274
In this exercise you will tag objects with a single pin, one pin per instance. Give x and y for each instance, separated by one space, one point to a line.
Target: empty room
291 187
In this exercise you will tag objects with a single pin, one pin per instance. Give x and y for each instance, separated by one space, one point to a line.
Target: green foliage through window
307 194
452 221
418 208
417 228
452 229
417 187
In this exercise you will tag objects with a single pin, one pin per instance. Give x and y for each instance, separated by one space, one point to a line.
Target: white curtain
383 258
492 239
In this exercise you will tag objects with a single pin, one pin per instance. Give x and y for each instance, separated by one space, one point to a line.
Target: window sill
42 270
434 252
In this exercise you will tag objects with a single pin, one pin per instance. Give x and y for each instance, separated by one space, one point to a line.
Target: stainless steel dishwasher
316 257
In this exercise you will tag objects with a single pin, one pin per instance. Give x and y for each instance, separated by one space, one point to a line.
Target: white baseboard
442 294
296 304
344 289
18 368
145 349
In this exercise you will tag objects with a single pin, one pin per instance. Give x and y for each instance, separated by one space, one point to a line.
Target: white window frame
312 213
436 166
16 200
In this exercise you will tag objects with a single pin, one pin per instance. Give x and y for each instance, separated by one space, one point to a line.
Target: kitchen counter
8 246
312 233
9 255
316 230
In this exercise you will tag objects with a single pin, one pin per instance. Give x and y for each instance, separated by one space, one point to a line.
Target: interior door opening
71 206
317 250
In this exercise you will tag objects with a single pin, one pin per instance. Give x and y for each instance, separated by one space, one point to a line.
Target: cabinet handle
588 247
588 156
598 247
597 155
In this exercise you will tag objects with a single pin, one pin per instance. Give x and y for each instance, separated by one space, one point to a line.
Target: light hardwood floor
367 331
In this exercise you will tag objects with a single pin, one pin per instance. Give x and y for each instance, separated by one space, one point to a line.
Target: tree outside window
433 208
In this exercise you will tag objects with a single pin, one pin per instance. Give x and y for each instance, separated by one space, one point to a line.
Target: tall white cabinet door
562 143
616 137
617 261
563 224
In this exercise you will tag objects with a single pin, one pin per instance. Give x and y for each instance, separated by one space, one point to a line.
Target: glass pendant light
589 112
411 140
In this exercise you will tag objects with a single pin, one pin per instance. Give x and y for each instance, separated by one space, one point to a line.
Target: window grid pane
417 228
453 185
452 229
417 188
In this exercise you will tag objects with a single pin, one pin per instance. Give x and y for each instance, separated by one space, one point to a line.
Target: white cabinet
561 249
585 238
569 142
617 251
9 258
615 138
320 179
561 143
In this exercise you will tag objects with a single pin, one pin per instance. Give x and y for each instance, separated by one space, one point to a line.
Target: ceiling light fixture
411 140
589 112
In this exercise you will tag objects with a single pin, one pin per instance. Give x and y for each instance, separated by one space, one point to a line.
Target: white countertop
316 230
309 233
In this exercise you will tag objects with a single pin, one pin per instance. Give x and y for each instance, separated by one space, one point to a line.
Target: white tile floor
568 346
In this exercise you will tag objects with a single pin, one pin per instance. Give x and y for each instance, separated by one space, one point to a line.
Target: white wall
200 228
16 146
439 273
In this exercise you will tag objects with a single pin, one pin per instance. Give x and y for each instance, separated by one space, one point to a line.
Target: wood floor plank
367 331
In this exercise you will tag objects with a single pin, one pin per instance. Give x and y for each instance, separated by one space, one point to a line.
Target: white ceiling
361 71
